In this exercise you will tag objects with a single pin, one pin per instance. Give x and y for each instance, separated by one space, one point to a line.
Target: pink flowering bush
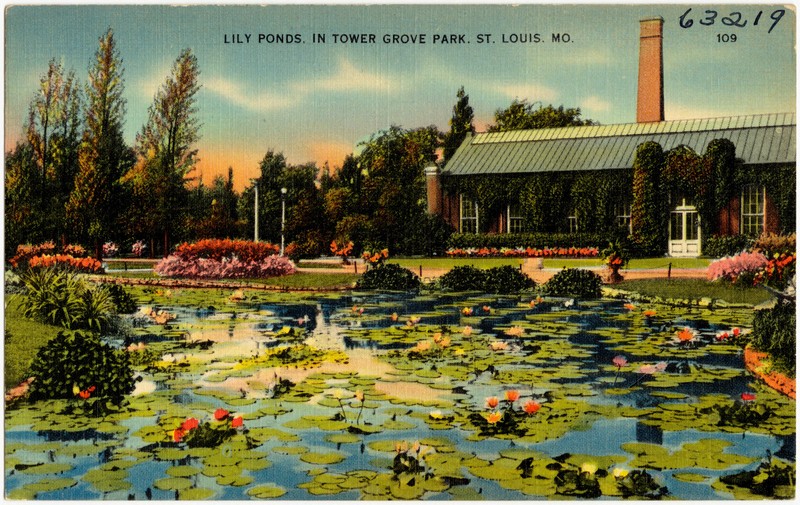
740 268
225 268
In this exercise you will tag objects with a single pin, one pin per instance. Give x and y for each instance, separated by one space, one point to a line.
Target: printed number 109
726 37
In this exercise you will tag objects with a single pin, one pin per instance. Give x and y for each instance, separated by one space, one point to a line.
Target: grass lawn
308 280
695 289
414 263
23 338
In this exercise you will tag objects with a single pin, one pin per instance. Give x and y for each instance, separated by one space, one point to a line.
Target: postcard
414 252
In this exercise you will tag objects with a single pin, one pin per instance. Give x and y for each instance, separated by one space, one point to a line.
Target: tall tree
461 123
93 205
521 115
165 145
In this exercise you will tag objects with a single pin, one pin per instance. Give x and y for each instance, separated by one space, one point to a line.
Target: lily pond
460 396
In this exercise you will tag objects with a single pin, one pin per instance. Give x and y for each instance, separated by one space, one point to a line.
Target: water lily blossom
647 369
467 311
190 424
512 395
686 335
237 422
589 468
736 332
531 407
569 303
401 447
620 473
498 345
649 313
515 331
177 435
494 417
221 414
619 361
492 402
487 308
630 306
394 317
436 415
722 335
360 396
748 397
467 331
444 342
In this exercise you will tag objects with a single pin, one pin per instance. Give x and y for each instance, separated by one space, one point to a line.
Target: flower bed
739 268
87 265
524 252
225 268
25 252
220 249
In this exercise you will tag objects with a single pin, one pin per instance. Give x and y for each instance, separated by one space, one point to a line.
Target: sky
316 102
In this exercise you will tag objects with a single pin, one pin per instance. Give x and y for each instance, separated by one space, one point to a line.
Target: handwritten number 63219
709 17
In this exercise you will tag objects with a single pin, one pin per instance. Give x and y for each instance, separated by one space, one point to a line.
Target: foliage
774 332
461 124
770 244
740 269
686 174
640 484
27 251
219 249
427 236
744 414
648 210
463 278
574 282
779 272
389 276
65 261
60 298
124 302
76 360
725 245
521 115
375 258
568 242
506 279
772 479
520 252
617 254
225 268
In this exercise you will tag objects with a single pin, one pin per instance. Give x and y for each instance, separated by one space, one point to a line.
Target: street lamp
283 218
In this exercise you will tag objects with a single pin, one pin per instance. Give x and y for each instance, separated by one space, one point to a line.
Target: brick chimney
434 189
650 100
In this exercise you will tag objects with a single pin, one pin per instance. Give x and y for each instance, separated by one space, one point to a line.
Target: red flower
512 395
748 397
531 407
221 414
492 402
85 394
190 424
237 422
91 389
177 434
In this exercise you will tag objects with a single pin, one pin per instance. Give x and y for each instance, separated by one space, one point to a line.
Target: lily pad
323 458
266 492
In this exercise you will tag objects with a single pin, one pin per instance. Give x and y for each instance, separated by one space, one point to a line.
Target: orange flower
221 414
177 435
85 394
630 306
492 402
394 316
531 407
512 395
494 417
686 335
237 422
498 346
486 308
190 424
467 331
467 311
649 313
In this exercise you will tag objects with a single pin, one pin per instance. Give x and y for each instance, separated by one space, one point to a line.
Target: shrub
65 261
574 282
774 333
110 249
123 301
60 298
27 251
220 249
463 278
138 248
527 240
506 279
739 269
203 268
726 245
524 252
770 244
78 365
389 276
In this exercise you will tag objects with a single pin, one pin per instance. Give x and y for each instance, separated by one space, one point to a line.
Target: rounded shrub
574 282
506 279
123 301
389 276
463 278
79 365
774 333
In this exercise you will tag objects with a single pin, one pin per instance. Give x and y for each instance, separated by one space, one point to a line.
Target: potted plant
615 256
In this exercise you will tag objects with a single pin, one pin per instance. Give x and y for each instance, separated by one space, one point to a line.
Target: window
469 215
572 219
622 211
752 222
516 223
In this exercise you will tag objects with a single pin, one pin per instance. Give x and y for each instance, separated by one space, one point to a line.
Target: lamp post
255 186
283 218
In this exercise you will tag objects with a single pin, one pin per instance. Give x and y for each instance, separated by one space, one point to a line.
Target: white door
684 231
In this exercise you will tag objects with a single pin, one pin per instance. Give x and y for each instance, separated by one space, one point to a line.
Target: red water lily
512 395
531 407
221 414
237 422
748 397
190 424
177 435
492 402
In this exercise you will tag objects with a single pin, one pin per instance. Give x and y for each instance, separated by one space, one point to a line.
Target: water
558 353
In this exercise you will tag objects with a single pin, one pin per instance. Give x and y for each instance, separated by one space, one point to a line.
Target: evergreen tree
460 124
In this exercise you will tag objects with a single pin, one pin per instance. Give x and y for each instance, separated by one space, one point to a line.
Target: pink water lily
619 361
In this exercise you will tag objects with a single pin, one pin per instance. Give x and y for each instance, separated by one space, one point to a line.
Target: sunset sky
316 102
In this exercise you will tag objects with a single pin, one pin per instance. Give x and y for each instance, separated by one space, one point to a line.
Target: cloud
347 78
675 111
595 104
533 92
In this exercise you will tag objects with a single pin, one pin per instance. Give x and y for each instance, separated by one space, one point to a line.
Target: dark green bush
774 333
534 240
463 278
574 282
729 245
78 361
389 276
123 301
506 279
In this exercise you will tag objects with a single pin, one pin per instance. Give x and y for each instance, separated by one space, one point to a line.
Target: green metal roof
767 138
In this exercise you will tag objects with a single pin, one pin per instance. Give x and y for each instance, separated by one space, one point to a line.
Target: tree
521 115
93 205
460 124
165 145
